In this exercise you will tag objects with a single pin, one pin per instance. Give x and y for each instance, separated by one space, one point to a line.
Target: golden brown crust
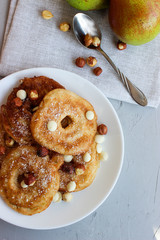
74 139
84 180
3 137
33 199
74 136
2 132
16 119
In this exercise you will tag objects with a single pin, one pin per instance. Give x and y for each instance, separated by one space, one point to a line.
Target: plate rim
27 71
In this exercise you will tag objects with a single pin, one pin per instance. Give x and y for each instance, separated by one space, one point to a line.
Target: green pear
135 21
87 5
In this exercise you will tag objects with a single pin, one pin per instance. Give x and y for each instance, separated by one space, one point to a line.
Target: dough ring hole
66 122
20 178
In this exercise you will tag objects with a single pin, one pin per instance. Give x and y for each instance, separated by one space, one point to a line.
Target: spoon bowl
83 25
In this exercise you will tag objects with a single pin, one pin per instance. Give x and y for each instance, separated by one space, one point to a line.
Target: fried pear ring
16 118
6 143
74 133
82 173
32 199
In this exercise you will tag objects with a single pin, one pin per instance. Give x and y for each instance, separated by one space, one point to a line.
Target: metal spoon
82 25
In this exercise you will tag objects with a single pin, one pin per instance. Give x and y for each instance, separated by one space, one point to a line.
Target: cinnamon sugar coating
67 171
77 136
16 119
33 199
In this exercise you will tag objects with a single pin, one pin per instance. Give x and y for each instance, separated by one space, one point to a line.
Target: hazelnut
2 150
91 61
66 122
80 168
88 40
121 45
9 141
68 168
18 102
47 14
33 95
67 197
102 129
80 62
29 179
96 41
97 71
42 151
64 26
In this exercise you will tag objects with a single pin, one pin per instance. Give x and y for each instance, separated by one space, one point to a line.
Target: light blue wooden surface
132 211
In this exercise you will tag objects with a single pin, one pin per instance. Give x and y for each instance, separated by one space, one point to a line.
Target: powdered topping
19 163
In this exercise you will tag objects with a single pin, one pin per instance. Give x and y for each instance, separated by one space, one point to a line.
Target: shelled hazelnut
102 129
88 40
96 41
47 14
68 168
33 95
29 179
80 62
2 150
64 27
18 102
42 151
121 45
91 61
97 71
80 168
9 141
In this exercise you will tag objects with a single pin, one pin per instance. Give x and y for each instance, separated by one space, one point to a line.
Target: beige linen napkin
30 41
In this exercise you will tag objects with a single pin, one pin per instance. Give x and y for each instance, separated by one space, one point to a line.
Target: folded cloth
31 41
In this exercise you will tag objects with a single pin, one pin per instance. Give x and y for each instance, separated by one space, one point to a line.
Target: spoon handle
135 92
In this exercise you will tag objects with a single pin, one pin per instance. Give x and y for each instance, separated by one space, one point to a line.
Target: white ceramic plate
86 201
